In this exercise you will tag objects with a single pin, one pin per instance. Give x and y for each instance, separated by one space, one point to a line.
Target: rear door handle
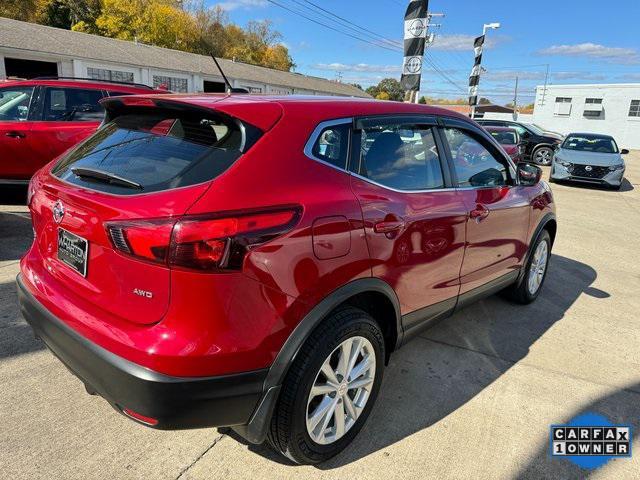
388 227
14 134
479 213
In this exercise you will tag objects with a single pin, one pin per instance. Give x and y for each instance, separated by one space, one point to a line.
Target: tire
289 433
542 156
521 292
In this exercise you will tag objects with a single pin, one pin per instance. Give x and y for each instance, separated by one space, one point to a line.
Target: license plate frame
73 251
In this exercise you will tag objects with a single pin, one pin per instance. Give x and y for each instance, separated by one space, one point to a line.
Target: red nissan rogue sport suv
253 261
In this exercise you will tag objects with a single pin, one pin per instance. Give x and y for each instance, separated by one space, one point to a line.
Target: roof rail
115 82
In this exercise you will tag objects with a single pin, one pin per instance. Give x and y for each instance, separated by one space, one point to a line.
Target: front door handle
388 227
14 134
479 213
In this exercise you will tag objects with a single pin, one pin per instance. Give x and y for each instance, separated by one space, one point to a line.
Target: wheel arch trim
256 430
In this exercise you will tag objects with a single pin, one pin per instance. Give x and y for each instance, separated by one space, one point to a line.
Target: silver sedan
589 158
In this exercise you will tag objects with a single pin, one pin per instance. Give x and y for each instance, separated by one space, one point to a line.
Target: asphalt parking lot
471 398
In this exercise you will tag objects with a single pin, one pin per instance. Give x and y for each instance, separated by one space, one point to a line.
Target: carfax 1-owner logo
590 440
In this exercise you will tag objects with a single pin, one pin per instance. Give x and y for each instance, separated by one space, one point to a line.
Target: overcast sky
582 41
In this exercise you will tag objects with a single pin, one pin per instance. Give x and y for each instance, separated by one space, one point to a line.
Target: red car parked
41 118
253 261
509 140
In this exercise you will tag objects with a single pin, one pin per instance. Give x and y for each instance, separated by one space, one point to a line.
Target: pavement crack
183 472
529 365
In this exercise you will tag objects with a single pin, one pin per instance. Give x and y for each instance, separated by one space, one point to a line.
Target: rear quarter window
158 151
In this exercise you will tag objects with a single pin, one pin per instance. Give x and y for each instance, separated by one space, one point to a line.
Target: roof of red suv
316 107
92 84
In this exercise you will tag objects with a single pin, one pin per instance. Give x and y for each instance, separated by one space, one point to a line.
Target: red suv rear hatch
142 170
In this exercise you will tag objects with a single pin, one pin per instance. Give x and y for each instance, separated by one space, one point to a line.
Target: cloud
633 76
578 76
594 51
357 67
463 43
244 4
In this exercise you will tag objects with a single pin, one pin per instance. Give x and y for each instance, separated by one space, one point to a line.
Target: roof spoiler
230 88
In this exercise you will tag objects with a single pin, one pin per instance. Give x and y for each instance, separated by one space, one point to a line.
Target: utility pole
515 101
544 89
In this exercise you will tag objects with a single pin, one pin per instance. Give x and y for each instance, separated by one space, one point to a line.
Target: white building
29 50
611 109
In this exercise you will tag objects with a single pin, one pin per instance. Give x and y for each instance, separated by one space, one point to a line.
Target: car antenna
230 89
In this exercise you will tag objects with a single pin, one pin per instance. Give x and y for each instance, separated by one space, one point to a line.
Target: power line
378 39
330 27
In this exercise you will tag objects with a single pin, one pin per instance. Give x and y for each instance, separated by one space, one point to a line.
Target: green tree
387 89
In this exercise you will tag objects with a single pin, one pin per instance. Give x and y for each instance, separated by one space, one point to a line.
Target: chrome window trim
313 138
308 151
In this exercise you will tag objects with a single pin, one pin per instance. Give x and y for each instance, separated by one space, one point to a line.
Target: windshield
155 150
590 143
534 128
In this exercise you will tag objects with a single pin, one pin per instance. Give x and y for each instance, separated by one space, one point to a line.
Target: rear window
154 152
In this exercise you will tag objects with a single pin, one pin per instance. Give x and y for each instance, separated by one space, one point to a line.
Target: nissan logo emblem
588 168
58 211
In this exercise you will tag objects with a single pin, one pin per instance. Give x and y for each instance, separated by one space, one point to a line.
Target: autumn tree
188 25
387 89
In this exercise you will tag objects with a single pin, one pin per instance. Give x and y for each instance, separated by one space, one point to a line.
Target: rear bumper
175 402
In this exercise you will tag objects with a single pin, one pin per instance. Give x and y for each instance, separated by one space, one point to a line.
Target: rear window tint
158 151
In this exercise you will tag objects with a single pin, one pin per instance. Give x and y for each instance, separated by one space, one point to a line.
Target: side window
73 105
332 145
523 132
15 103
475 166
403 157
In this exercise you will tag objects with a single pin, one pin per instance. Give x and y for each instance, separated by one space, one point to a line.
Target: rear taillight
206 243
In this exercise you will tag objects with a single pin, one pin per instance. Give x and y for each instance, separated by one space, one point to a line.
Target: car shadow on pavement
16 336
452 362
16 234
626 186
622 407
13 195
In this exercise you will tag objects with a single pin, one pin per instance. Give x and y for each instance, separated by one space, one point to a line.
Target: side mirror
624 151
528 174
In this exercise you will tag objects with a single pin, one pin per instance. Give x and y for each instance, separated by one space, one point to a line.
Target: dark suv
538 144
41 118
253 261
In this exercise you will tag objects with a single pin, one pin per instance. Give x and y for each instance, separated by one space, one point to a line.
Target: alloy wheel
543 156
538 267
341 390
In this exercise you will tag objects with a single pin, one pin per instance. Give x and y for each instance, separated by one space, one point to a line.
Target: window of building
475 166
175 84
634 108
253 89
593 108
332 145
563 106
402 157
109 75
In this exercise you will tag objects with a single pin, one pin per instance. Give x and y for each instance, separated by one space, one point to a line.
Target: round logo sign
416 28
58 211
414 65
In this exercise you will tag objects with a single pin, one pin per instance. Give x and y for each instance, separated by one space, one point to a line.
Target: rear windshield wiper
105 177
